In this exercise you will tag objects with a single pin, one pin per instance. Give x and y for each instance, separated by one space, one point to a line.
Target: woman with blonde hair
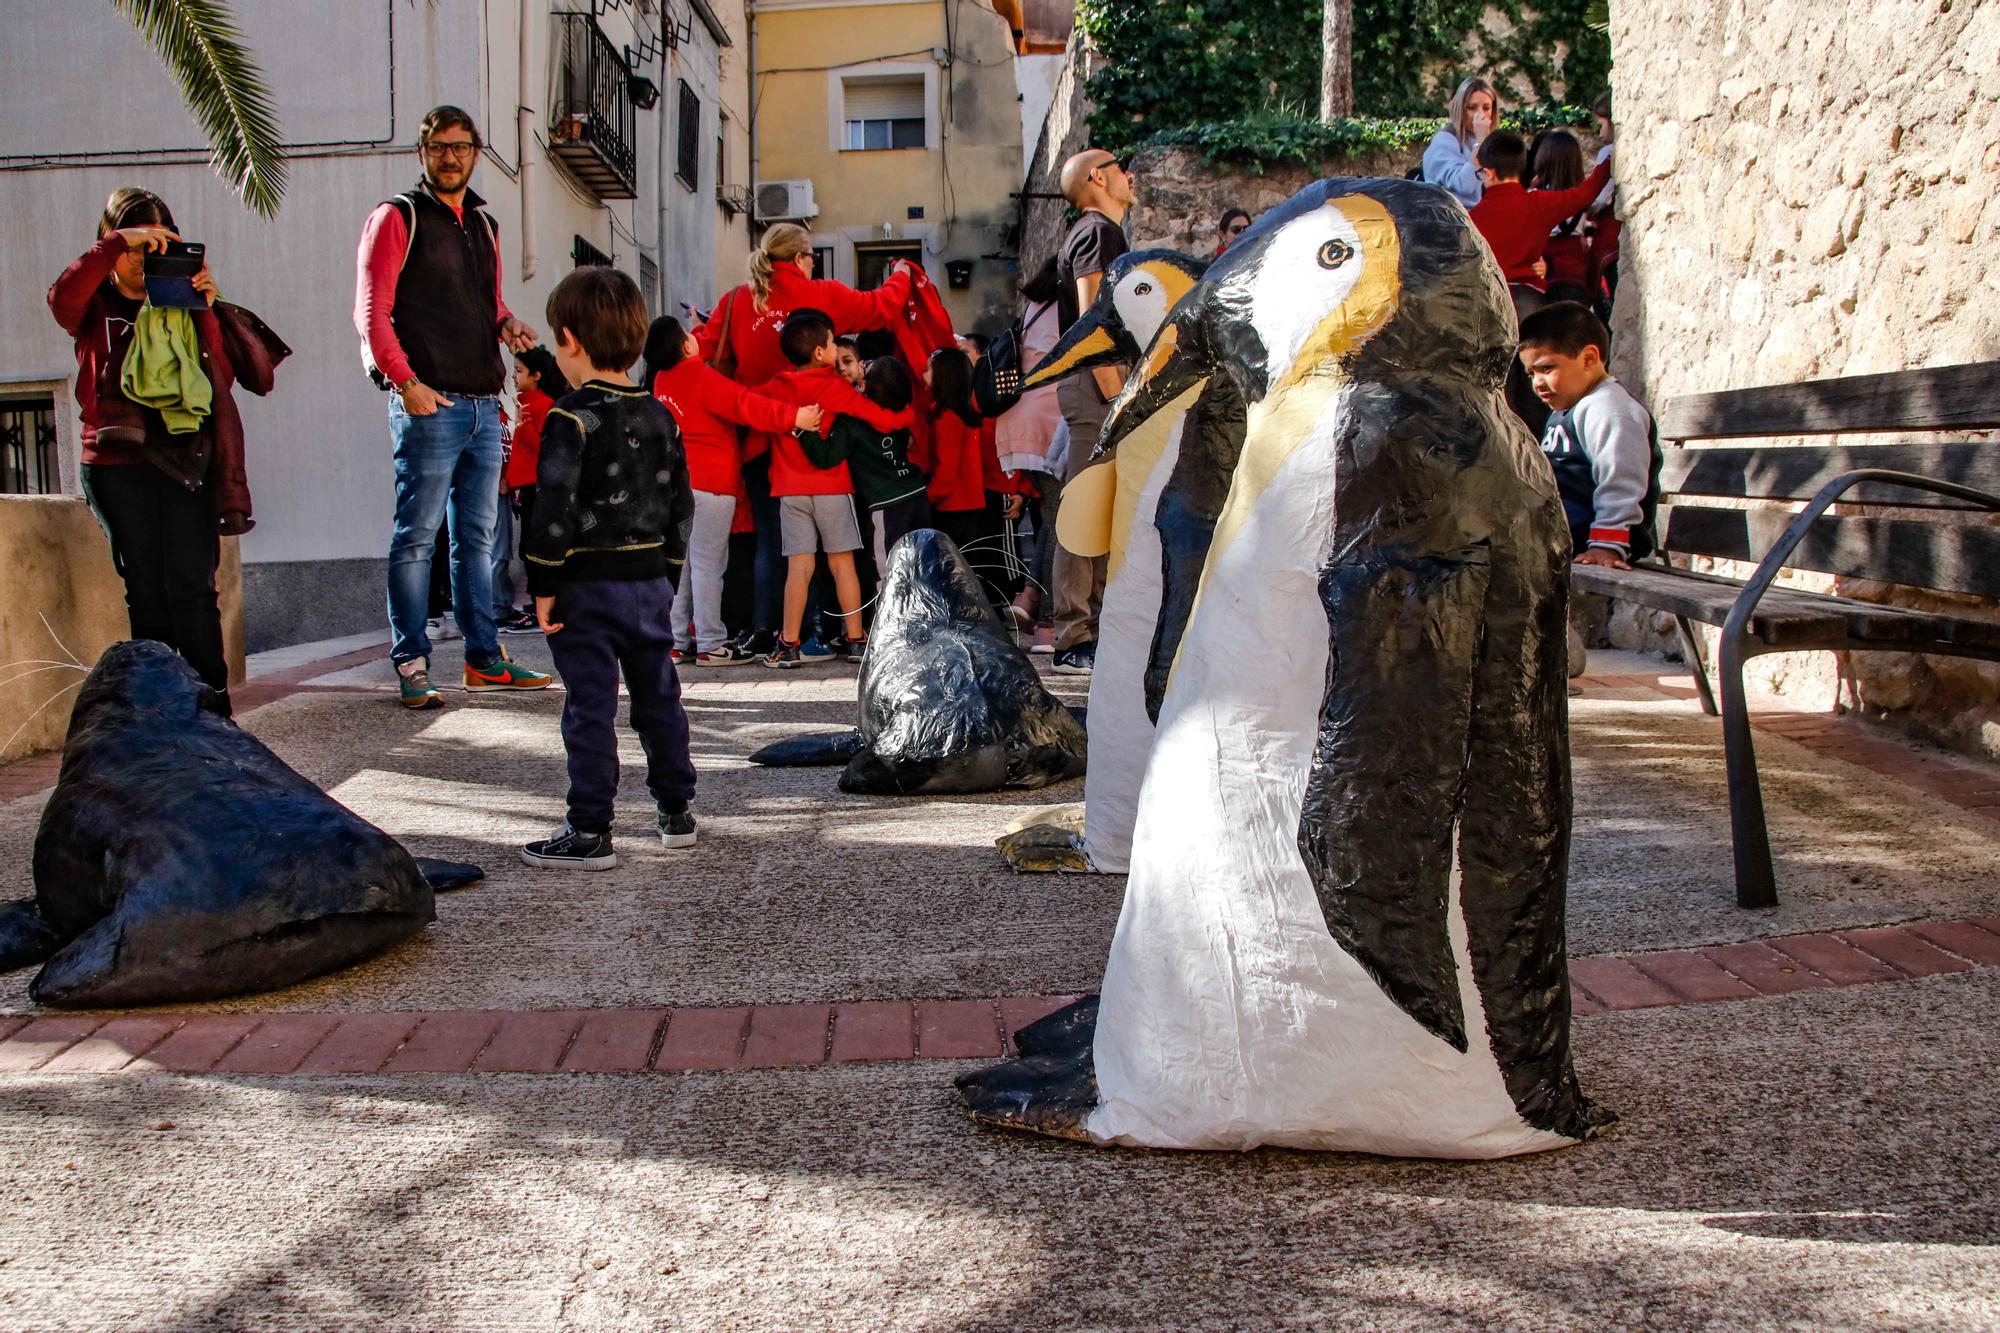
740 339
1451 158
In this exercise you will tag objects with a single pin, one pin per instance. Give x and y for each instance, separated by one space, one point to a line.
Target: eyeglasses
1238 228
464 152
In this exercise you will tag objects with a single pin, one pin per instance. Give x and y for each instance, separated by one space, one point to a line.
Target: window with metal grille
649 284
883 112
583 254
687 165
28 446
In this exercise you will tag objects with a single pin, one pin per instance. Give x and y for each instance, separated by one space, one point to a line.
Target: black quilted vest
447 313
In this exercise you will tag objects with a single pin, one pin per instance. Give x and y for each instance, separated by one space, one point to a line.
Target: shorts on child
808 523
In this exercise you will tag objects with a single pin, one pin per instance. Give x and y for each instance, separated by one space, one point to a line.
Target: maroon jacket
236 346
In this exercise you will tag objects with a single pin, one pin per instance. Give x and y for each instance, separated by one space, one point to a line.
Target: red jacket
753 336
1568 258
527 450
1516 220
958 477
791 472
99 318
708 407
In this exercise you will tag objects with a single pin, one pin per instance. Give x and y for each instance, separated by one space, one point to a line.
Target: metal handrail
593 99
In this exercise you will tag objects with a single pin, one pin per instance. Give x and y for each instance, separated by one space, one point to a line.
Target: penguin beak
1169 371
1087 343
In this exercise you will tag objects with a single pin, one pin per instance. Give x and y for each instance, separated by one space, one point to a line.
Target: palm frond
1597 15
200 45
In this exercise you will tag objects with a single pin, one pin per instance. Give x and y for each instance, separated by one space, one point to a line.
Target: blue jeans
447 470
768 599
503 554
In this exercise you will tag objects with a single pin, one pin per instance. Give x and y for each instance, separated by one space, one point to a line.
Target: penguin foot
25 938
1052 1088
1045 849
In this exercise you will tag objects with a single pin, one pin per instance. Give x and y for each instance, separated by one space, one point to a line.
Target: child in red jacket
815 504
708 406
1516 220
972 500
538 382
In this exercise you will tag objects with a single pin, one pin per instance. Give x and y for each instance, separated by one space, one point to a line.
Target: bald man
1098 184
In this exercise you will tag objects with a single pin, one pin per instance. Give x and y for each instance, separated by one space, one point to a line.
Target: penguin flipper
820 750
1377 827
26 937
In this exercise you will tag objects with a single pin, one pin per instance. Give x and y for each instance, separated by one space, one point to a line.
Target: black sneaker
566 849
677 829
758 642
785 657
520 623
856 648
1078 661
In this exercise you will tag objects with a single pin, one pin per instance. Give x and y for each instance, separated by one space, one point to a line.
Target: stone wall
59 569
1066 131
1814 191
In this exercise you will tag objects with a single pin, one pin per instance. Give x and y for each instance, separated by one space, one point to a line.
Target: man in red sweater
816 504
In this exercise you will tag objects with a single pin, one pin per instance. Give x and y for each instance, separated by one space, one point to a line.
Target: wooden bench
1929 543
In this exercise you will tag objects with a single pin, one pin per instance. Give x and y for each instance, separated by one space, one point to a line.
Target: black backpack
996 380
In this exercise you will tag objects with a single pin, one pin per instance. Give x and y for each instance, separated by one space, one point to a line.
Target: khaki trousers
1077 582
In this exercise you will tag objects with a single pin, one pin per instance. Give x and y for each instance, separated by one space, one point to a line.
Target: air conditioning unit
785 201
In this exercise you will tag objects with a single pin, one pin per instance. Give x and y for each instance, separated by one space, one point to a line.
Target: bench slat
1963 397
1798 472
1790 617
1949 556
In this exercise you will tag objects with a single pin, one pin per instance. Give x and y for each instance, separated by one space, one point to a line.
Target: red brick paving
1839 962
1767 971
445 1043
361 1044
782 1034
1903 951
1016 1012
957 1029
199 1043
43 1038
1690 976
614 1041
704 1038
1970 941
874 1030
277 1045
114 1045
531 1042
1616 984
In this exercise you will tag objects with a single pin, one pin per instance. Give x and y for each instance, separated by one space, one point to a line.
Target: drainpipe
750 60
524 130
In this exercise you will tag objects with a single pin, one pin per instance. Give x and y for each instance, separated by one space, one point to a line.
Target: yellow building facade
892 130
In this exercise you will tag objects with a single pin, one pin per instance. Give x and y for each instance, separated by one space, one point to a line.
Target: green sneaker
413 679
504 675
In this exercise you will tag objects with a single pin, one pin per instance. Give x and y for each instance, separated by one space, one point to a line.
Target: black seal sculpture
949 703
178 859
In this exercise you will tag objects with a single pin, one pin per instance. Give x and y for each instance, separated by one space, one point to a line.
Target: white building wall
90 109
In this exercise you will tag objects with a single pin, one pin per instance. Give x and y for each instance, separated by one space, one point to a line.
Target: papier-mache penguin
1114 508
1343 927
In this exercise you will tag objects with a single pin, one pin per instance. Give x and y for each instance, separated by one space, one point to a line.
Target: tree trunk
1336 70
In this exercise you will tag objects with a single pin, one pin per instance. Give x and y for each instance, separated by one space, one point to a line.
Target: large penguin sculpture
1343 927
1119 502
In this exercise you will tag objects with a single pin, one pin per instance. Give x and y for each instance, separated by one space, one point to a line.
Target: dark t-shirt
1089 248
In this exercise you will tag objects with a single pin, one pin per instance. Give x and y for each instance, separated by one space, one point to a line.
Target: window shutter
885 99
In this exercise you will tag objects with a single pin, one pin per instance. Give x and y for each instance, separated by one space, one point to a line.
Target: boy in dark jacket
608 531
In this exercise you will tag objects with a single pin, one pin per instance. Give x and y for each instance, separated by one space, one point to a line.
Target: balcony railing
592 122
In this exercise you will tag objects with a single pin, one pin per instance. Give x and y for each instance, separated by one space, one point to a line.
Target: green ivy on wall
1259 141
1176 63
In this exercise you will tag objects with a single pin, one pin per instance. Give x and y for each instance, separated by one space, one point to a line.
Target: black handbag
996 380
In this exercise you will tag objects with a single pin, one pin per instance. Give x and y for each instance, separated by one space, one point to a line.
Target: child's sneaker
413 679
521 622
857 648
727 655
785 657
679 656
812 650
677 829
504 675
566 849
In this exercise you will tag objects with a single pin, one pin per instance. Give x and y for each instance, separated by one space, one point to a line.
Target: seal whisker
38 712
59 643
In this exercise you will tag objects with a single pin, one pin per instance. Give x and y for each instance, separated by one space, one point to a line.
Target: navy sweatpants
607 627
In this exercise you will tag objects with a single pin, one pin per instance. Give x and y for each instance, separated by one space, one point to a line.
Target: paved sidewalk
494 1125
